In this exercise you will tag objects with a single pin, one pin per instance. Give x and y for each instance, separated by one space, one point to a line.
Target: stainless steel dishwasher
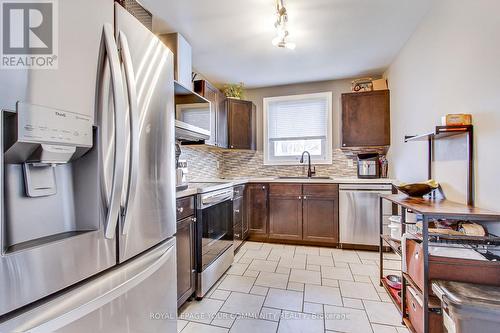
359 212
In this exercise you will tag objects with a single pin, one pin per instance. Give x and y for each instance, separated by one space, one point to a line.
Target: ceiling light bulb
290 45
282 33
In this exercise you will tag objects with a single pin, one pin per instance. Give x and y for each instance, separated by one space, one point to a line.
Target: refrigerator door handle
109 52
134 130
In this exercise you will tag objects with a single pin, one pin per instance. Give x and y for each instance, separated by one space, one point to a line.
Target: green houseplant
234 90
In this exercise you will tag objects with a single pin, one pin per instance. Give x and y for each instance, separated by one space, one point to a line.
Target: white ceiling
231 39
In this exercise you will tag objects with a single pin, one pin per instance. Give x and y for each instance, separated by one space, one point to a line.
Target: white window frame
295 160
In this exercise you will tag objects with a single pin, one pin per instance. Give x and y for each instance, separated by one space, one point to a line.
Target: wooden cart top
436 207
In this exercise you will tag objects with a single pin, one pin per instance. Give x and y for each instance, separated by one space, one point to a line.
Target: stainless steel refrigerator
88 214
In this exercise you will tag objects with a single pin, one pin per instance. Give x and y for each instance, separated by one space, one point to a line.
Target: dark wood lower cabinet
321 222
299 213
257 211
321 213
186 268
285 217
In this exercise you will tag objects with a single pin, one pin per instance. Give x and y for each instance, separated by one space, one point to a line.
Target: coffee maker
181 170
368 166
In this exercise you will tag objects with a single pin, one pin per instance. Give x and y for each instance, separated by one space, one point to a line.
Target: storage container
414 306
469 307
395 227
458 119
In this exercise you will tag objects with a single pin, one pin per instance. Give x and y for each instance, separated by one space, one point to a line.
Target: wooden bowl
417 189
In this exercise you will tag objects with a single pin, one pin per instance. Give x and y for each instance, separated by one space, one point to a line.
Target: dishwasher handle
366 187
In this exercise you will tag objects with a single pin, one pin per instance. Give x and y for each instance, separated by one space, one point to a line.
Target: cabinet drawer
414 306
323 190
443 268
238 190
185 207
285 189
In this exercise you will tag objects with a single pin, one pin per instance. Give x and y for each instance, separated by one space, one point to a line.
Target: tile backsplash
203 161
212 162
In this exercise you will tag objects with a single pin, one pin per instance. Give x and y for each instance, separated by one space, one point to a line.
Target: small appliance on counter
181 170
368 166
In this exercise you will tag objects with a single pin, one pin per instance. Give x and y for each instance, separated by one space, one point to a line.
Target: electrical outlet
350 163
217 165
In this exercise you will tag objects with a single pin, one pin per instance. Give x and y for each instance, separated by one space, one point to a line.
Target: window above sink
298 123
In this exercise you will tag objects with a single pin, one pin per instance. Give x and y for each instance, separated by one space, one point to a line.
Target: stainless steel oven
214 241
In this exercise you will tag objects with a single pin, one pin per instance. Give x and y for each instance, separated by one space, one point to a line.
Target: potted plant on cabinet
234 90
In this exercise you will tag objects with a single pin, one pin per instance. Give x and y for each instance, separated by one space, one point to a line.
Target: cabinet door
186 269
285 217
285 211
241 124
366 119
257 208
321 210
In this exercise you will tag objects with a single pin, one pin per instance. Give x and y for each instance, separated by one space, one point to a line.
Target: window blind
298 118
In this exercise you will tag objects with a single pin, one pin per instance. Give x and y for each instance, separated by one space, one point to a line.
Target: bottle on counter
384 166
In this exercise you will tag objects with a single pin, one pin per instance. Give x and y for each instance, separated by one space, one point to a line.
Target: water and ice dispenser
40 138
49 175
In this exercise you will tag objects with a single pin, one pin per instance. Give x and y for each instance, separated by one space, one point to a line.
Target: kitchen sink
303 177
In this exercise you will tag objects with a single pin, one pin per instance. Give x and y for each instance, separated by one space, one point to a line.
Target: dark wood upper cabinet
285 211
257 210
235 120
241 123
320 212
366 119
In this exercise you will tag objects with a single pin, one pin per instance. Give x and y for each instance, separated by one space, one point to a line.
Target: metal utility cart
430 209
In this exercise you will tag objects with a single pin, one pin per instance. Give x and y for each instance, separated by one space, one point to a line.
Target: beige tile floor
296 289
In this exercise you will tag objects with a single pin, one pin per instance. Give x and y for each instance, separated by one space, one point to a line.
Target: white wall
451 64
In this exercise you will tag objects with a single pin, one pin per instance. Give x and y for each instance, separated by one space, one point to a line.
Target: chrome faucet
310 172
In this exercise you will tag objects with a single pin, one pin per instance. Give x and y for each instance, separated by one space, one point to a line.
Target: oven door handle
215 200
